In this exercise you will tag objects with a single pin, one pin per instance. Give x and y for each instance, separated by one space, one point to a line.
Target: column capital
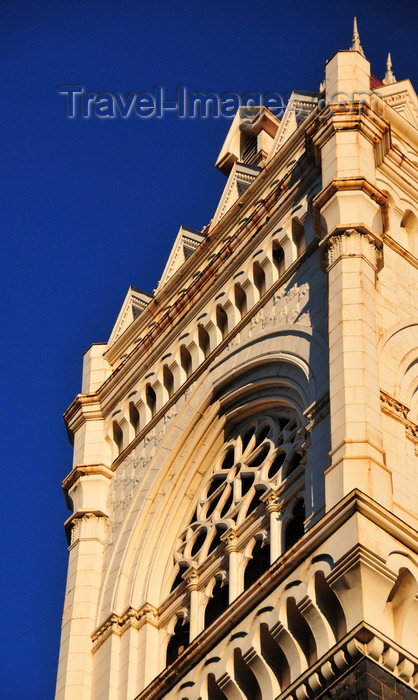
86 526
192 579
352 242
231 540
273 500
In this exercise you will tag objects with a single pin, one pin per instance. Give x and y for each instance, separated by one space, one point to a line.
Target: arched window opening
229 459
255 453
247 481
168 381
274 656
246 438
151 399
217 603
216 540
298 236
134 417
222 320
400 600
300 629
278 257
186 360
117 437
203 340
227 504
245 677
198 543
179 641
410 224
240 300
259 278
258 564
260 457
276 465
262 433
255 502
213 486
295 528
330 606
409 221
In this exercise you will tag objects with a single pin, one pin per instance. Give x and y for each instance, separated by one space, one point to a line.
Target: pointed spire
355 41
389 77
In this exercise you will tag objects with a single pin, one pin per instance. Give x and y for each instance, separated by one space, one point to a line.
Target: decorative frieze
116 624
400 412
289 307
393 407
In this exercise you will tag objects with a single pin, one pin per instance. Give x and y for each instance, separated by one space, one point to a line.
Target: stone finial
355 41
389 77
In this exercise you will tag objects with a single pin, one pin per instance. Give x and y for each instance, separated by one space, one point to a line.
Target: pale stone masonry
243 492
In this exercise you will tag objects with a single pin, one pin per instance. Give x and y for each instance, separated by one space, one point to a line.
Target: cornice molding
84 407
85 470
349 184
363 641
356 116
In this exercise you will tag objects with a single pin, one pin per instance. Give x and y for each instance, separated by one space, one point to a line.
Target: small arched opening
178 641
259 278
151 399
134 417
222 320
295 528
218 602
168 381
186 361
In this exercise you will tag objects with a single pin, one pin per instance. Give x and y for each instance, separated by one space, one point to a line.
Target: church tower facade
243 493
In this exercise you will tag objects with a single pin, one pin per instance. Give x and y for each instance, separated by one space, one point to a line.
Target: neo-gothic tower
245 445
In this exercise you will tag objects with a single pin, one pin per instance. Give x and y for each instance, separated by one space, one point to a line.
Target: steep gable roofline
135 301
186 242
402 98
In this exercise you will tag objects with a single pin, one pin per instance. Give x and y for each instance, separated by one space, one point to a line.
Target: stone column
196 624
149 652
230 539
352 258
74 681
273 504
87 486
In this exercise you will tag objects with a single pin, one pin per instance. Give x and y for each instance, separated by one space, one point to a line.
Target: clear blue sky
90 206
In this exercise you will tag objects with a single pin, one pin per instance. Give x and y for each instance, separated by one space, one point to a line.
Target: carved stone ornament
89 526
350 243
257 458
